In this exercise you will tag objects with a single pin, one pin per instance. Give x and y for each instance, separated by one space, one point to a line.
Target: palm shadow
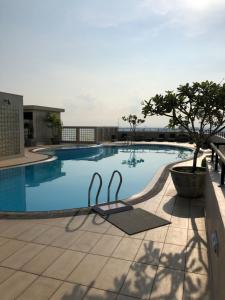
155 268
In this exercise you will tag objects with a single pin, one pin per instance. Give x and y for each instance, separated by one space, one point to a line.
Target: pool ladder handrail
119 185
100 186
90 187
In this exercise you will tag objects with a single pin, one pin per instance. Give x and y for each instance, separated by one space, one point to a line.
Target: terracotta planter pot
188 184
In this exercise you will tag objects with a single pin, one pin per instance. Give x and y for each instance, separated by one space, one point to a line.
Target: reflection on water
12 189
88 154
182 154
40 173
133 160
63 183
13 183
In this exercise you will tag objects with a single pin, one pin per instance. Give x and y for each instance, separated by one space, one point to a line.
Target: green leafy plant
199 108
55 123
133 121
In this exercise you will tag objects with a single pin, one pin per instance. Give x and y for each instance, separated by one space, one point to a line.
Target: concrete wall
215 227
42 132
106 134
11 126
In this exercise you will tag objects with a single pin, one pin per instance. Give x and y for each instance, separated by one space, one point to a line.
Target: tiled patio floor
84 257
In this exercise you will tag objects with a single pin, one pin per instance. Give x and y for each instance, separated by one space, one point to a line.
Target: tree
133 122
199 108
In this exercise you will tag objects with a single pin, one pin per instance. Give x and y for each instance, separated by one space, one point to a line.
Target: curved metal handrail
90 186
218 152
119 186
219 155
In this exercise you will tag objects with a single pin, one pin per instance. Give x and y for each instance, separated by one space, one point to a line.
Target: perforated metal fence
79 134
88 134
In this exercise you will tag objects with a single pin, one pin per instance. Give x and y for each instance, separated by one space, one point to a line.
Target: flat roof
10 94
42 108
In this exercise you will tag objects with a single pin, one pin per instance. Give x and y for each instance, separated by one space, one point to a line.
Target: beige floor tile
164 215
23 255
106 245
196 223
166 205
149 253
127 248
95 294
76 222
42 288
69 291
5 274
66 239
170 191
3 241
64 265
123 297
176 236
86 241
33 232
157 234
197 239
15 285
96 224
87 271
197 260
196 287
43 260
5 225
16 230
152 205
173 256
49 235
140 235
168 285
139 281
113 230
112 275
9 248
59 222
179 222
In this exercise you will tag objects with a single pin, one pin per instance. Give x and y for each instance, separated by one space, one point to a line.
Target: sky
99 59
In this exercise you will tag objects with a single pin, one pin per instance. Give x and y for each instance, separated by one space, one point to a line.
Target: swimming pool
63 183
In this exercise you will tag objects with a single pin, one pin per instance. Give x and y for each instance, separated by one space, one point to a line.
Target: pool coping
154 186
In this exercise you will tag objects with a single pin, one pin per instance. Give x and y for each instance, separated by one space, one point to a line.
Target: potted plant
54 122
200 109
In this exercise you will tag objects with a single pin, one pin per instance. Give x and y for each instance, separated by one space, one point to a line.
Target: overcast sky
99 59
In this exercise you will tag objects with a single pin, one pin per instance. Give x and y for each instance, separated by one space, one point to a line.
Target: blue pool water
63 183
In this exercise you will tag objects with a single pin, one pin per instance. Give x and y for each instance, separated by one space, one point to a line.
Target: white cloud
192 16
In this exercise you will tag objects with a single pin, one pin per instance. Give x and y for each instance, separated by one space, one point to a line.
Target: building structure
11 126
37 128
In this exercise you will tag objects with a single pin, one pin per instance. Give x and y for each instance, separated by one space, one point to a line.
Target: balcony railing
218 159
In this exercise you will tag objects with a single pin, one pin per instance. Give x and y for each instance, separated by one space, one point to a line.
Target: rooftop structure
37 129
11 125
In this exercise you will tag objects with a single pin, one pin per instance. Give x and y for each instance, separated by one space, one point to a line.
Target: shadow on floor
141 280
146 278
